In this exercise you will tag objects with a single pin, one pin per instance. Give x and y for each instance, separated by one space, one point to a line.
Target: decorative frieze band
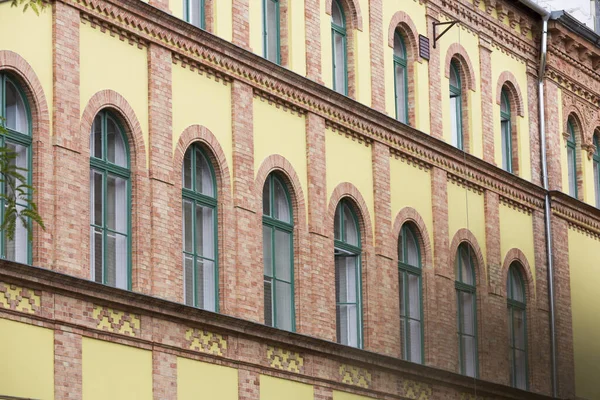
279 102
116 321
18 298
285 360
206 342
515 205
355 376
415 390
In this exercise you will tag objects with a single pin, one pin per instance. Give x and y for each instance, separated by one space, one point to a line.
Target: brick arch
410 215
508 80
22 72
457 52
348 190
516 255
109 99
279 164
203 136
401 21
351 9
572 112
465 236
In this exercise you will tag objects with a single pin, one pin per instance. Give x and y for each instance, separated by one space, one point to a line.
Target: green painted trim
22 139
340 30
457 92
505 116
196 198
401 62
571 146
521 306
186 13
460 286
266 31
274 225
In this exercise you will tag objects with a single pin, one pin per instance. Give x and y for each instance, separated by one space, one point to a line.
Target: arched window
110 201
338 43
200 265
507 150
14 116
271 31
456 106
596 158
278 255
517 328
409 285
400 79
194 13
347 276
572 158
467 310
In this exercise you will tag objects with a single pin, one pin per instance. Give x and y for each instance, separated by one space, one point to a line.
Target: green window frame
456 106
348 292
505 126
110 195
200 237
572 159
272 31
278 255
517 328
466 296
411 295
400 78
15 116
596 161
339 48
194 12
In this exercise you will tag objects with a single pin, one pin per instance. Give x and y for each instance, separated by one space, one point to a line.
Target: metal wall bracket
437 37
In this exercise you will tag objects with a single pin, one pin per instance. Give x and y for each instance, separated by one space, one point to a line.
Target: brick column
248 385
161 4
164 375
435 91
241 23
71 217
487 101
554 139
322 393
312 19
322 286
165 266
377 59
534 128
67 365
249 286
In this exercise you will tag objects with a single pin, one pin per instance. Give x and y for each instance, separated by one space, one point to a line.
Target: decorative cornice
410 159
519 206
457 180
342 130
193 65
279 102
580 216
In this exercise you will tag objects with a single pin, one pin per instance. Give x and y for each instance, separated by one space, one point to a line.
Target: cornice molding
580 216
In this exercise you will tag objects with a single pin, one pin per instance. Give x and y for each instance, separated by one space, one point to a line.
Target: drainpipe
547 208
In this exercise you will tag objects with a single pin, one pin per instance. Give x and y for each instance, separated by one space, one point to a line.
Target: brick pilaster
492 239
241 23
248 385
164 375
322 393
249 273
312 19
160 4
554 138
534 128
377 59
487 101
67 365
68 151
165 266
435 91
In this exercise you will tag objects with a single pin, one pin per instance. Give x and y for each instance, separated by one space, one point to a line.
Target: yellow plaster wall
297 36
587 171
255 9
27 352
176 7
585 307
114 371
516 231
348 396
276 389
416 11
469 216
470 41
404 176
200 100
103 59
278 131
223 19
200 380
503 62
35 46
349 161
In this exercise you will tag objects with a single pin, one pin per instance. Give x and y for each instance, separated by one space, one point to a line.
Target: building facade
258 199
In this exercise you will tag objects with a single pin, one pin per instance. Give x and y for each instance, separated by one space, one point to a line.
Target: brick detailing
116 321
435 79
439 195
487 105
312 19
412 216
508 81
516 255
464 235
355 376
348 190
352 11
23 73
18 298
467 73
415 390
164 375
241 23
492 237
377 57
534 131
573 113
285 359
248 385
161 4
206 342
554 138
68 374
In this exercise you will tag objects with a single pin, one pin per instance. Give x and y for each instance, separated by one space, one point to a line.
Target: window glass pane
188 279
572 176
401 290
16 249
351 230
115 146
187 169
415 341
205 225
468 317
400 79
454 121
195 17
204 179
283 256
339 67
517 286
346 279
284 305
337 14
466 266
519 328
412 251
188 238
267 197
398 46
97 254
205 282
281 204
96 139
597 182
414 290
347 324
337 223
20 161
454 78
267 251
521 372
504 106
469 354
404 337
16 113
268 299
271 30
96 198
116 260
506 144
116 203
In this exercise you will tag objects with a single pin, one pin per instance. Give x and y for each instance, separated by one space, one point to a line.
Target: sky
580 9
